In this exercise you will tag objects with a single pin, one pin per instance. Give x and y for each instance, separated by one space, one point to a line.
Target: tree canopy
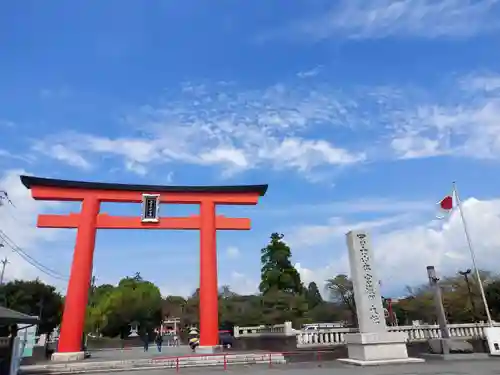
277 272
34 298
112 309
313 295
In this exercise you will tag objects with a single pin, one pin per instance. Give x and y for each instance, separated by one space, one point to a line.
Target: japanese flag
447 205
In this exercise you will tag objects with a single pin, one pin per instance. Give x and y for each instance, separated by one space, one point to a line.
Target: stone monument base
68 357
493 338
449 346
208 349
380 348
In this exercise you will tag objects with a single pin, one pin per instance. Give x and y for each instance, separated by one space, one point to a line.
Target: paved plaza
140 362
139 353
476 367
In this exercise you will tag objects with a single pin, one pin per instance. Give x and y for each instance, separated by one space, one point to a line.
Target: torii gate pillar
89 220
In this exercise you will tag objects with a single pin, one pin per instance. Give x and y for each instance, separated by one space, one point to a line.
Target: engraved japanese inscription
365 282
150 208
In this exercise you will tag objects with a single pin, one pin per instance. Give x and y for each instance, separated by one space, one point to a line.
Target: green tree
277 272
173 306
279 306
133 300
313 295
35 298
96 316
225 292
325 312
493 298
241 310
340 290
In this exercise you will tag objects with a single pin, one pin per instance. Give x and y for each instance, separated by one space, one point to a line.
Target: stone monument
134 328
373 345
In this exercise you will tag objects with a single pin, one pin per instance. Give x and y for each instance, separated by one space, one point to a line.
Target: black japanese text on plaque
150 208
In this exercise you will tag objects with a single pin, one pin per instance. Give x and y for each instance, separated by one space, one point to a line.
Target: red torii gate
91 194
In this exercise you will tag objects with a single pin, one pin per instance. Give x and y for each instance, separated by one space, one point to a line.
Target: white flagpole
472 255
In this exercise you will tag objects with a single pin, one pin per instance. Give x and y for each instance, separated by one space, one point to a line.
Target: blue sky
357 114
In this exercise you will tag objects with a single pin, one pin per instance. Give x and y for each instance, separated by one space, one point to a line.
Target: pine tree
277 272
313 295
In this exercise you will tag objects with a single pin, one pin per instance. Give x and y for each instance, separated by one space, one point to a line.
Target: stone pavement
435 367
138 353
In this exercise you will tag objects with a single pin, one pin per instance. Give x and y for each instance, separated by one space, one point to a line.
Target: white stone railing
285 329
335 336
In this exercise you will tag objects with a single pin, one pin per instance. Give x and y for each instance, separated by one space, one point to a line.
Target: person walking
145 340
159 340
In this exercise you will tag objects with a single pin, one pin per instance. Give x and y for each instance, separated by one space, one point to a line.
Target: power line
4 197
28 258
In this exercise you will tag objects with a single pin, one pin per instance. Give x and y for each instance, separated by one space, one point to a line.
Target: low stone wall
112 343
415 349
316 355
266 343
287 344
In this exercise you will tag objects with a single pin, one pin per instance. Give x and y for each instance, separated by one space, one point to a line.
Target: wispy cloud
318 234
63 153
469 126
309 73
486 82
233 252
360 19
7 123
221 126
308 128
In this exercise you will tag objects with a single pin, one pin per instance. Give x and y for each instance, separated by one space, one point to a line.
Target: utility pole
4 264
466 274
40 305
4 197
3 297
438 302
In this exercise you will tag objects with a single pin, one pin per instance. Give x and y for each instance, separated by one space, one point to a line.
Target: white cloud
242 284
481 82
10 155
7 123
402 254
310 235
63 153
309 73
403 244
414 147
361 19
19 224
306 154
220 126
470 128
311 130
233 252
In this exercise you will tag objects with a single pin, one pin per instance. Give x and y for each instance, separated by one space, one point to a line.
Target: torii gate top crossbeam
66 190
